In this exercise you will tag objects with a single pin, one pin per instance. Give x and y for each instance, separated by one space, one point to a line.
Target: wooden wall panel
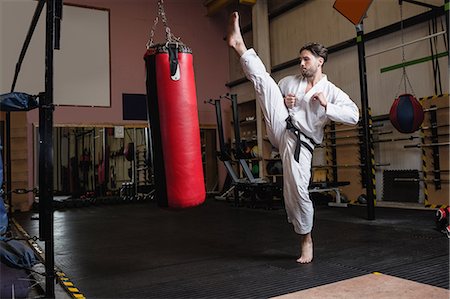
348 160
19 160
436 195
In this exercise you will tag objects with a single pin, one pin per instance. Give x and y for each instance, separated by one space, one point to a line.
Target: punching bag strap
173 61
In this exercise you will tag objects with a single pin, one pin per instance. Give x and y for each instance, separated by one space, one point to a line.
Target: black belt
290 126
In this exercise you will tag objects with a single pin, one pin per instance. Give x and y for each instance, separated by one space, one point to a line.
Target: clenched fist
319 96
289 100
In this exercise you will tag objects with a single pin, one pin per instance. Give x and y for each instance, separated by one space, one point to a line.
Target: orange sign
353 10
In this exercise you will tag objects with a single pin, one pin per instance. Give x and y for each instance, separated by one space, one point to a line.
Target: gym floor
138 250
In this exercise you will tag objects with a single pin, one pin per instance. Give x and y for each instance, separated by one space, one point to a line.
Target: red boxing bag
175 131
406 114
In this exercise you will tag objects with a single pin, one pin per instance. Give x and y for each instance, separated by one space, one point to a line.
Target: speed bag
406 114
174 126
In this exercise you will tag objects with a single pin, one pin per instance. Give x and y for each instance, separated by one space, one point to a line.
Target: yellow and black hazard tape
69 286
372 157
35 246
435 206
424 165
329 160
65 283
433 97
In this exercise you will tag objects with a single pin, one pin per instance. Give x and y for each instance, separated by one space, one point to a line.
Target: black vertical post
447 12
94 186
365 121
8 193
46 156
334 152
237 137
223 152
237 131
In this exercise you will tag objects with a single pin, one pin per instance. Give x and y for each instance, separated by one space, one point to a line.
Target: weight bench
319 187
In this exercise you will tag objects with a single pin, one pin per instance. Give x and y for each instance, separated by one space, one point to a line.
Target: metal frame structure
46 231
257 187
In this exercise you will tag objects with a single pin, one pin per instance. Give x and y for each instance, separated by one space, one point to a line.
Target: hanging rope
405 78
432 27
170 38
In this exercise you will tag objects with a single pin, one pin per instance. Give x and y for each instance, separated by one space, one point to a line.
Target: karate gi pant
296 175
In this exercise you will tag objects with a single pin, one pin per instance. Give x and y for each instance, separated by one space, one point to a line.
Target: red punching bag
406 114
173 117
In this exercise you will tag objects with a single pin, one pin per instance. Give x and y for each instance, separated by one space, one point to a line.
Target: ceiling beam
214 6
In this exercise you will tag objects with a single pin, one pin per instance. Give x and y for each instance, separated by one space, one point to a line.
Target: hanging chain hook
170 38
152 33
405 78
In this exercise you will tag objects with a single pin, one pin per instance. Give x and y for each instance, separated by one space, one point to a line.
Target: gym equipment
362 199
255 152
18 101
406 44
419 145
129 151
255 170
354 128
442 219
258 189
173 119
435 126
321 187
274 167
406 114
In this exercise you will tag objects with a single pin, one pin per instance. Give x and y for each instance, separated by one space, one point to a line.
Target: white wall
81 66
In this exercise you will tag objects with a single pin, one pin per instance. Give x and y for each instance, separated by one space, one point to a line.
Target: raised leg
267 91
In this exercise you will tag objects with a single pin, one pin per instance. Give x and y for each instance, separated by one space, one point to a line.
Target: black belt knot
290 127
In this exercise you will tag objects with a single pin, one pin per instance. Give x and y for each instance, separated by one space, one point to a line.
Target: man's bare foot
307 249
234 36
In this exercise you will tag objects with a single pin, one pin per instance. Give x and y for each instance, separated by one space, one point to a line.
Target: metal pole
223 152
365 122
237 133
46 157
8 193
407 43
134 164
447 12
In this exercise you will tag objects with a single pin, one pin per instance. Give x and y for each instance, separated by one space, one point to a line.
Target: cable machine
259 189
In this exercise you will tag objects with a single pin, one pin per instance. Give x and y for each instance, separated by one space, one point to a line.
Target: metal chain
170 38
152 33
405 78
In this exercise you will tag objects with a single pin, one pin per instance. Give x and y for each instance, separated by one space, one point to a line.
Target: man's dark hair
317 50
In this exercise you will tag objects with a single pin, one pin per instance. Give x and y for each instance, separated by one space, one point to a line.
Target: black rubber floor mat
219 251
433 271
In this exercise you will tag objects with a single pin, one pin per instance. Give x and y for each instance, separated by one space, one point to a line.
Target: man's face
309 64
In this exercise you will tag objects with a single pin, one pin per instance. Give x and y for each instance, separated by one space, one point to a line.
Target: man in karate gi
295 112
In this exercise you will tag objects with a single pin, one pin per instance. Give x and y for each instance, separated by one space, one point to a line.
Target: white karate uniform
308 116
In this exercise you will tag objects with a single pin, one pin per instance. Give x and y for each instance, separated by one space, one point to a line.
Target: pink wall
130 25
